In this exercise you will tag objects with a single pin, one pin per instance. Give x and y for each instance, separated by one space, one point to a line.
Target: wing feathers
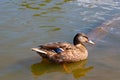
55 45
38 50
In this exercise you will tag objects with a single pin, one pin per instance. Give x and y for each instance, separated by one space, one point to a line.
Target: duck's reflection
77 69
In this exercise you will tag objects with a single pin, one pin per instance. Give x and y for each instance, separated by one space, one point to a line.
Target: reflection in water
77 69
99 1
51 28
110 26
45 11
43 5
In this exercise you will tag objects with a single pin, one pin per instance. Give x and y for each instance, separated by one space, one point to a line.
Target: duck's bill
91 42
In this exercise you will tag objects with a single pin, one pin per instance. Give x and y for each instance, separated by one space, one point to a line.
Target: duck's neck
76 42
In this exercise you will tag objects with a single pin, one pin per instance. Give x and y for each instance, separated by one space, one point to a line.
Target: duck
64 52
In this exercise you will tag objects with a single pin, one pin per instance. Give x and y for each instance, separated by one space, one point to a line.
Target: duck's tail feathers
38 50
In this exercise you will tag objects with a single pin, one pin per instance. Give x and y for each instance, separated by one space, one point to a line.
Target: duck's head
81 38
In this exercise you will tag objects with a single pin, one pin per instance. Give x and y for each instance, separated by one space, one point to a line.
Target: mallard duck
62 52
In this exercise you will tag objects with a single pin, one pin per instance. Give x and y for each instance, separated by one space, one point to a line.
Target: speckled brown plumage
70 52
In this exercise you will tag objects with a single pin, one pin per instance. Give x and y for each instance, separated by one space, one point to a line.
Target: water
27 23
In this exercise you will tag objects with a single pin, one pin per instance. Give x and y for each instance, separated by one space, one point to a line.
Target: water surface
27 23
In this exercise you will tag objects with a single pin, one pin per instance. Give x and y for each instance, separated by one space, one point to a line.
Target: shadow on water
77 69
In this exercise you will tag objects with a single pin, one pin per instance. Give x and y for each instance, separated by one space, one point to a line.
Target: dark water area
28 23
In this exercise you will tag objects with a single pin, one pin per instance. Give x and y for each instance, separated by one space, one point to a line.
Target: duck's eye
81 38
85 37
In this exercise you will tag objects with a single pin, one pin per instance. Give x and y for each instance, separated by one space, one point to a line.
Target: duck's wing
52 48
55 45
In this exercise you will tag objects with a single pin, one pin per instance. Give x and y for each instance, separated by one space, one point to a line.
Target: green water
28 23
